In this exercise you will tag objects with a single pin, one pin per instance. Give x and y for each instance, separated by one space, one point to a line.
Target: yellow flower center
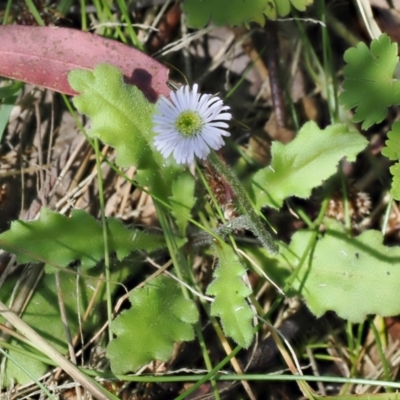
189 123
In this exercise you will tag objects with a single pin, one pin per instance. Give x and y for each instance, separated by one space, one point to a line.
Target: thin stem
124 10
83 15
26 371
7 12
33 10
387 215
385 364
105 236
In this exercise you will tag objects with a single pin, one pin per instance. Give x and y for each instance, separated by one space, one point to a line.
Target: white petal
183 152
194 98
204 147
186 98
202 107
215 108
224 116
219 132
218 124
175 97
213 141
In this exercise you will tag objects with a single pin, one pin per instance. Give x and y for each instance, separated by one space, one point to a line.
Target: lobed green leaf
159 317
120 114
283 6
392 149
369 86
304 163
230 293
300 5
58 240
200 12
392 152
395 189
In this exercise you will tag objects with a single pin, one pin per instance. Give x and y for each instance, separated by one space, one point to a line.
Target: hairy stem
243 204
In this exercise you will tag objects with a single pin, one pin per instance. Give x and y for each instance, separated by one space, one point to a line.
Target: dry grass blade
52 353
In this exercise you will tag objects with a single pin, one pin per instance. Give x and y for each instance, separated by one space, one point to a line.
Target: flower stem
243 203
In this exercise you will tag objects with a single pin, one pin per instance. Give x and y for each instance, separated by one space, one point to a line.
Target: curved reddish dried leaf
44 55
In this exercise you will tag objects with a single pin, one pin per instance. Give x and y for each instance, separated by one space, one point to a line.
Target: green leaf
200 12
14 372
304 163
10 90
6 107
354 277
395 189
121 115
182 199
392 152
392 149
58 240
124 241
369 86
159 317
43 314
300 5
283 6
230 293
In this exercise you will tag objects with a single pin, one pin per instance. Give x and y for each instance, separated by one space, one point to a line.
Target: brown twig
271 58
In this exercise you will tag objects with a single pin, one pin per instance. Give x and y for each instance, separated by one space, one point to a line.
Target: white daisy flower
189 124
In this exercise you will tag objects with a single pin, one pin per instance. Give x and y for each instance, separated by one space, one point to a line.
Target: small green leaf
354 277
182 199
10 90
369 86
392 149
230 293
304 163
300 5
121 115
14 372
283 6
58 240
395 189
159 317
392 152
